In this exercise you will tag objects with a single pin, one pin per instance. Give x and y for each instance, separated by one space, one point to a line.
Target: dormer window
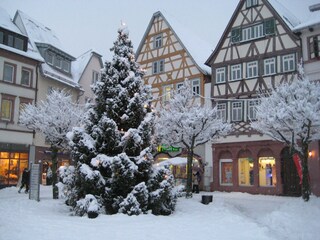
251 3
13 40
56 58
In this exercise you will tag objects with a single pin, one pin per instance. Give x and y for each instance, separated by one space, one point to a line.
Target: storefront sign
164 148
34 193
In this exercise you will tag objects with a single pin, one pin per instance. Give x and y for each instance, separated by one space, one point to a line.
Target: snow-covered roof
6 22
39 36
37 32
288 17
80 64
297 15
197 48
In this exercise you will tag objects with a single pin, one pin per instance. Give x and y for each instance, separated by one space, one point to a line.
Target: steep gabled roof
7 23
196 47
81 63
42 36
289 20
37 32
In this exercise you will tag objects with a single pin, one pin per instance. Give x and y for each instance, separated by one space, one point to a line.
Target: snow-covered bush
162 195
88 205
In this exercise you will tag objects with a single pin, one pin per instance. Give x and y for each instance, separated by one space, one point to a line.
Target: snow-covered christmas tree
113 151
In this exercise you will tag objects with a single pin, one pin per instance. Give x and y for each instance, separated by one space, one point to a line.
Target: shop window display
267 171
226 172
11 167
246 171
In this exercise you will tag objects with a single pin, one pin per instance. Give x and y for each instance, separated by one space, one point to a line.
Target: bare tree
291 114
53 118
185 123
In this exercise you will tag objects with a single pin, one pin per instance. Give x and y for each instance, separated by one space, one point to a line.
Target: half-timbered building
258 50
170 54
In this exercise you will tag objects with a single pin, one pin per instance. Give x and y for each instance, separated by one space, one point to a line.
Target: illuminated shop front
12 165
253 167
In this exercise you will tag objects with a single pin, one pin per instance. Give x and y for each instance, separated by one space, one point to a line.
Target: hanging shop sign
163 148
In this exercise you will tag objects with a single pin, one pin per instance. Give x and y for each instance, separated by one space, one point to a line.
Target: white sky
92 24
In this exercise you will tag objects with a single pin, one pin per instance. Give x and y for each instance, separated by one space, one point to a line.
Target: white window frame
50 58
222 111
252 104
195 83
288 62
237 111
252 32
12 72
167 91
236 73
65 66
269 66
158 66
252 69
221 75
29 79
157 41
221 161
95 77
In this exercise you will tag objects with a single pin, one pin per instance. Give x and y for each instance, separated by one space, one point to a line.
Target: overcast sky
92 24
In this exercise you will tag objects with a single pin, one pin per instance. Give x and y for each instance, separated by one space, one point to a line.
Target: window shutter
269 26
236 35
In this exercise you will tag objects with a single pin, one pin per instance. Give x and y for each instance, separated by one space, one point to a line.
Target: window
314 46
226 172
50 57
269 66
167 93
158 67
18 43
196 87
6 109
252 113
9 72
246 176
269 26
65 66
26 77
95 77
252 69
252 32
57 62
222 111
236 72
10 40
23 103
237 111
221 75
251 3
1 37
157 41
247 33
267 171
288 63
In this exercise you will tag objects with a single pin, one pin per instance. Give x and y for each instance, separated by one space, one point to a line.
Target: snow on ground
229 216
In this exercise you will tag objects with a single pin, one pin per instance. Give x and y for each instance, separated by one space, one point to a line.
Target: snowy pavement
229 216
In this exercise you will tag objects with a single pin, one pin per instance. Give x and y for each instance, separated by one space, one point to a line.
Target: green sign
164 148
